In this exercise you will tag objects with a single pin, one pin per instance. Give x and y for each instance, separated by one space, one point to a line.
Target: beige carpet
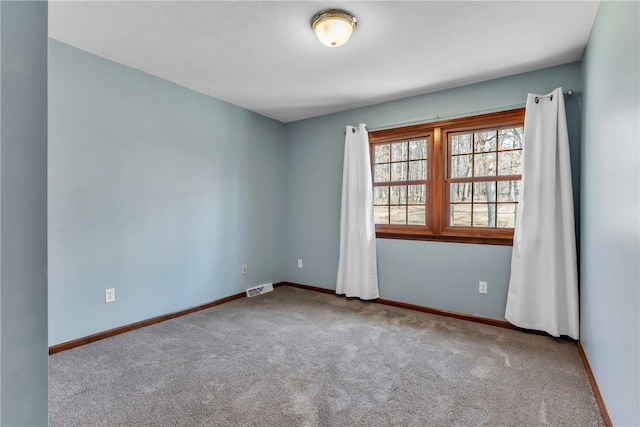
301 358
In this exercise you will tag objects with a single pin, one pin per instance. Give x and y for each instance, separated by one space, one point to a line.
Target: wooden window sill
452 236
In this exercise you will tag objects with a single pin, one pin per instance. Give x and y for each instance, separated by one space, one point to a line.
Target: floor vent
259 290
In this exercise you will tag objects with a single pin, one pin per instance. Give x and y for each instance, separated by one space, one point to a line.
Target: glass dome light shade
333 27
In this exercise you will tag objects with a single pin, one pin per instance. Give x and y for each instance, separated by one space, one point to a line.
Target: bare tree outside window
399 187
477 199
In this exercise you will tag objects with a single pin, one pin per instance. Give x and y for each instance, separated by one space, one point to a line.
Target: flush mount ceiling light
333 27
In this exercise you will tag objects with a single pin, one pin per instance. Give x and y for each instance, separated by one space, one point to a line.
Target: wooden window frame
437 181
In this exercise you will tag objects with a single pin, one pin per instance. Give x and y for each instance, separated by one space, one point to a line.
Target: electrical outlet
110 295
482 287
244 269
299 263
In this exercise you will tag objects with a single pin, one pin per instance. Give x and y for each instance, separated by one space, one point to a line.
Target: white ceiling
264 57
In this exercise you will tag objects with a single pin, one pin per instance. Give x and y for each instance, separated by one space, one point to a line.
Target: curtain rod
448 115
550 96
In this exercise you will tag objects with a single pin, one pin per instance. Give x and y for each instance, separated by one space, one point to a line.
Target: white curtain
357 266
543 289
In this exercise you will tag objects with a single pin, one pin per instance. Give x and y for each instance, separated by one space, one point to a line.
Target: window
455 180
400 175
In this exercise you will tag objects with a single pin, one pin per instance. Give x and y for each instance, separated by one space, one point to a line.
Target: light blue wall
157 191
610 275
433 274
23 209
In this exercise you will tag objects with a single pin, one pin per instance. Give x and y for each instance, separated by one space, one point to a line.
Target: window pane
398 195
484 164
506 215
508 191
461 143
399 151
381 173
484 141
460 166
484 191
460 192
382 153
460 215
399 171
416 194
398 215
417 149
510 163
509 139
416 215
417 170
484 215
381 214
380 195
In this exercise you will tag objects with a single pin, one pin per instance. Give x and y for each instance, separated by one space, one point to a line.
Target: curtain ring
537 99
